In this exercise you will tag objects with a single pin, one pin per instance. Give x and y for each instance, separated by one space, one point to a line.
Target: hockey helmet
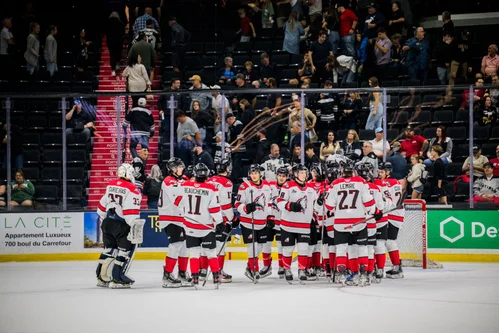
363 169
189 172
282 171
317 168
127 172
201 171
387 166
299 167
255 168
223 165
174 163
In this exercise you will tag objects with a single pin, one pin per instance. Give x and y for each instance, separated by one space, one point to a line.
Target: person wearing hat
399 165
380 147
141 125
204 98
79 121
180 39
478 161
374 21
413 144
348 24
486 188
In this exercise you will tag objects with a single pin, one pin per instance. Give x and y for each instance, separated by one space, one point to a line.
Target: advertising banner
460 229
58 232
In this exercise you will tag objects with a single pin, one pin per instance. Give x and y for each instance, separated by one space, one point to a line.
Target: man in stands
79 120
141 22
478 161
486 188
495 162
490 63
413 144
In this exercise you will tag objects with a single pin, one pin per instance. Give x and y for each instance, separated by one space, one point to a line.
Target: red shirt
495 163
413 145
245 26
346 21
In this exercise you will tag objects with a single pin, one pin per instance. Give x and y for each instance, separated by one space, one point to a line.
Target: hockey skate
102 284
289 276
280 273
224 277
265 271
185 279
169 281
216 279
341 276
363 277
121 284
253 276
311 275
195 279
202 274
302 276
395 273
353 279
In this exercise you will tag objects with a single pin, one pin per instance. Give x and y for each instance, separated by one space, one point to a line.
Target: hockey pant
177 252
202 247
289 240
267 248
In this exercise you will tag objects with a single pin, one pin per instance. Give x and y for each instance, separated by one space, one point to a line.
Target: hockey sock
221 261
286 262
182 264
309 262
170 264
214 264
370 265
325 263
340 261
302 262
380 260
253 264
353 265
362 261
194 265
279 256
267 259
332 259
316 259
395 257
203 262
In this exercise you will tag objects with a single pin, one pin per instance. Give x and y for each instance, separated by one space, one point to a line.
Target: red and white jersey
124 197
320 213
275 190
394 190
168 212
297 222
224 186
261 195
379 204
200 205
351 201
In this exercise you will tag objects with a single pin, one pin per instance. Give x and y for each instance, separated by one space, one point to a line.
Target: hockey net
412 240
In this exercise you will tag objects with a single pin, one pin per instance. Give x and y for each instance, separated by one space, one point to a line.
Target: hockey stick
253 239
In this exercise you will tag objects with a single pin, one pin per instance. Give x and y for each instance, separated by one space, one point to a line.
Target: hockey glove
320 199
294 207
235 222
270 222
378 215
250 208
227 229
219 228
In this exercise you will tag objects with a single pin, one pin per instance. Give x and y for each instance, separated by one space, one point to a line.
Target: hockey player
296 203
171 218
282 177
254 203
199 202
118 209
224 186
318 183
393 190
350 199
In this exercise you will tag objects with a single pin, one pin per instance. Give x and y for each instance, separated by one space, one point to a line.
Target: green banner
461 229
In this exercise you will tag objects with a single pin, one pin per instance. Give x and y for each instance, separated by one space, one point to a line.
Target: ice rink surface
62 297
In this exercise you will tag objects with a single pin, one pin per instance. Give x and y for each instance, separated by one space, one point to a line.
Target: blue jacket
418 53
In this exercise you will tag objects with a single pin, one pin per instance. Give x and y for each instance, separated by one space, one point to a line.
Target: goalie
119 210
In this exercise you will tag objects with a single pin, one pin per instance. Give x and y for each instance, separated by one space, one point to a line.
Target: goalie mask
173 164
224 166
201 171
126 171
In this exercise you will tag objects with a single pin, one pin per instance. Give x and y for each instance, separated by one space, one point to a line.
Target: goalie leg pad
105 260
121 266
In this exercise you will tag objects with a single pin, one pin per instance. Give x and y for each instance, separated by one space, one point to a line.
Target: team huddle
339 218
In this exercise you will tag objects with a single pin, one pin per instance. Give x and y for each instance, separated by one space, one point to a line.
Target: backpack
424 177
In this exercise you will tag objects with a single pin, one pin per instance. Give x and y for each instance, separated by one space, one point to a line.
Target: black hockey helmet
255 168
282 171
387 166
189 172
223 165
363 169
317 168
347 166
299 167
173 163
201 171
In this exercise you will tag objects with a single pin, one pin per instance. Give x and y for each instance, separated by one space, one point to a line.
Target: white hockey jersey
351 201
122 196
297 222
200 205
275 190
168 212
224 187
270 168
379 204
261 195
394 189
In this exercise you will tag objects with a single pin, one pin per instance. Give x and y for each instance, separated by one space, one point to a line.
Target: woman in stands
329 146
440 174
23 191
202 118
293 30
351 146
443 141
351 108
487 116
376 108
137 78
414 177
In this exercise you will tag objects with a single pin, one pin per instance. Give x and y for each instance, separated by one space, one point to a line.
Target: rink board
467 236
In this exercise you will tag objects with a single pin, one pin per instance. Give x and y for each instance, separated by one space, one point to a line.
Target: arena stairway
105 146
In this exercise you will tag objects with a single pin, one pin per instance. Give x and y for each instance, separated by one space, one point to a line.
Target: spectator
361 51
16 145
494 92
397 19
217 158
486 188
380 146
477 94
262 145
139 166
397 56
23 191
351 109
152 187
293 31
50 52
164 107
318 53
342 65
376 108
247 113
440 175
399 165
329 146
80 51
226 74
348 25
202 156
273 100
382 49
137 79
180 39
374 20
114 40
188 136
247 29
141 126
79 121
478 161
216 103
495 162
414 177
147 54
488 114
242 86
413 144
235 138
250 75
141 21
310 157
443 141
3 189
295 131
8 46
370 157
448 26
305 73
461 56
272 162
283 11
267 14
443 58
268 70
296 155
203 98
310 119
202 118
490 62
351 146
418 56
32 54
331 22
